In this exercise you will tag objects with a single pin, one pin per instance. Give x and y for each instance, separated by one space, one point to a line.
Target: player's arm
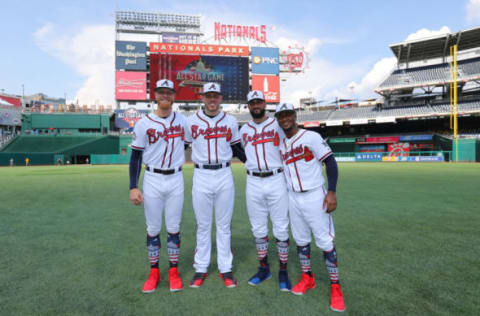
135 168
332 178
238 151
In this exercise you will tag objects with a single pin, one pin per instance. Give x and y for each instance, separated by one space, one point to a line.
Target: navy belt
163 171
213 167
264 174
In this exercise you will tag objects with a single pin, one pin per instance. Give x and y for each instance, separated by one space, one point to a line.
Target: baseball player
214 138
303 153
158 140
266 191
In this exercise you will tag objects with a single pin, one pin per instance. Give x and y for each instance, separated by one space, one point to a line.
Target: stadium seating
431 75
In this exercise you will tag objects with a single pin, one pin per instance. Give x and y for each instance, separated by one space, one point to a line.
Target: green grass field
408 242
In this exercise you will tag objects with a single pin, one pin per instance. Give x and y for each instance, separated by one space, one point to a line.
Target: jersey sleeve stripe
325 156
139 148
235 142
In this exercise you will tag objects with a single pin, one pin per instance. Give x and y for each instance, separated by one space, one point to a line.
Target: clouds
473 11
425 33
89 51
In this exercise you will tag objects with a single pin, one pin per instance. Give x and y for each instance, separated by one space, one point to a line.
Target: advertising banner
10 116
385 119
130 85
130 55
368 157
128 118
270 85
399 149
334 123
378 140
189 73
199 49
371 148
265 61
311 124
341 140
345 159
171 37
415 138
358 121
390 158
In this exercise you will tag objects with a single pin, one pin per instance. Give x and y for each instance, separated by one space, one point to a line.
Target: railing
446 154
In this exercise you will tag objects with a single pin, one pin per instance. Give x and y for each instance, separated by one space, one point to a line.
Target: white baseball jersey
261 143
302 157
211 137
161 140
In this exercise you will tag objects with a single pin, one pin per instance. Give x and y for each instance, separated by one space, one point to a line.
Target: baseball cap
165 83
284 107
255 95
211 87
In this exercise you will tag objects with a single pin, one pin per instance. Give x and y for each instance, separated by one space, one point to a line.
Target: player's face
287 120
164 98
212 102
257 108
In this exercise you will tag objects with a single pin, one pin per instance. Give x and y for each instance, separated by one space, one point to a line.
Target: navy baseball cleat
284 281
262 275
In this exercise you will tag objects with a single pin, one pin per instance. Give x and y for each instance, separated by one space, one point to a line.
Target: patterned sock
332 267
262 251
153 247
173 246
304 256
282 249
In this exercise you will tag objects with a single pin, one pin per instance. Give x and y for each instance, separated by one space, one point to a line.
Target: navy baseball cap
282 107
165 83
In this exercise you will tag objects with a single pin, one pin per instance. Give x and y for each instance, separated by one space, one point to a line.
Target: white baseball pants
213 189
268 196
163 192
307 216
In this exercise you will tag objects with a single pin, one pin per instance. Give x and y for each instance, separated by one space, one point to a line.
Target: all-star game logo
196 74
131 116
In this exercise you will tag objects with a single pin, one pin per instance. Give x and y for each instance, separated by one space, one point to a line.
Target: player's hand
136 196
330 202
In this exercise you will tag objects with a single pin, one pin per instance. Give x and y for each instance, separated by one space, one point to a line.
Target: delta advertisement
128 118
265 61
130 55
130 85
270 85
190 72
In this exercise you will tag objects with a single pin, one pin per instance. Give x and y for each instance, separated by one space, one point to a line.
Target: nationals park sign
231 31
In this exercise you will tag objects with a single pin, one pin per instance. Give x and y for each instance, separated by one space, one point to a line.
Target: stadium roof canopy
435 47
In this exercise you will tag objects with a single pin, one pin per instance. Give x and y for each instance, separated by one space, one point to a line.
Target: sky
66 48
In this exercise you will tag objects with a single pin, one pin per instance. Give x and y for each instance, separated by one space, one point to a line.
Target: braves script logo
212 132
263 137
297 153
171 132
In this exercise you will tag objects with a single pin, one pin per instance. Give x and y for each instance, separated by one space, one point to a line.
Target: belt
163 171
213 167
264 174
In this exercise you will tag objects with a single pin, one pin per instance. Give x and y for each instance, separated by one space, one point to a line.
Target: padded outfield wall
66 122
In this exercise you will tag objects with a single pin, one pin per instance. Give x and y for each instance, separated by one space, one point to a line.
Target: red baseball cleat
198 279
151 284
336 298
306 283
175 281
229 280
